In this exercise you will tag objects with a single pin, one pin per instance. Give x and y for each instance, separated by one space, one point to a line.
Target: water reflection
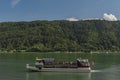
57 76
113 68
111 73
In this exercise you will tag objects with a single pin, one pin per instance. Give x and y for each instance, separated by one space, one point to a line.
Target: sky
29 10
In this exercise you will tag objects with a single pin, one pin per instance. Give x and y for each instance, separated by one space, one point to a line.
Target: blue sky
29 10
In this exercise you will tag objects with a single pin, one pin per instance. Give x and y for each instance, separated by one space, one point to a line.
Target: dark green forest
60 35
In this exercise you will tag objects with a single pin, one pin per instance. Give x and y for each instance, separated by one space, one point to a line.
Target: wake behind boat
50 65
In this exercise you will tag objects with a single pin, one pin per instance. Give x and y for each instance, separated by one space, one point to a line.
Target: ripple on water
96 71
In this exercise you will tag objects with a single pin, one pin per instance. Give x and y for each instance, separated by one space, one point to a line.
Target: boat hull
65 70
34 69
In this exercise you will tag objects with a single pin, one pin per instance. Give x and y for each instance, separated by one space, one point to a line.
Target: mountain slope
89 35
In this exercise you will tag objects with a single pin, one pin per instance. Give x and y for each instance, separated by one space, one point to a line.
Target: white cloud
14 3
109 17
72 19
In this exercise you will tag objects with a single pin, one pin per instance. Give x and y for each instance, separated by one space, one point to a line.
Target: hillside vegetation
45 36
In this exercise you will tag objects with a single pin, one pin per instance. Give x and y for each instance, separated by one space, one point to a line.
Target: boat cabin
51 63
83 63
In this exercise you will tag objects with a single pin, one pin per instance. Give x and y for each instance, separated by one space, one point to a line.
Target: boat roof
83 60
44 59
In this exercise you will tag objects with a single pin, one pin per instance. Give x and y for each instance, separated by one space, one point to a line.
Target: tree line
60 35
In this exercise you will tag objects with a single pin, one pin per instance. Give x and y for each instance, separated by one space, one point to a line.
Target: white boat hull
32 68
65 70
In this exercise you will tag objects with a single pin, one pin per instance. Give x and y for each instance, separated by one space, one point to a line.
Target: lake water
106 67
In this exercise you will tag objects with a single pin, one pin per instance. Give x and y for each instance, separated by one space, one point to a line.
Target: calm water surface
106 67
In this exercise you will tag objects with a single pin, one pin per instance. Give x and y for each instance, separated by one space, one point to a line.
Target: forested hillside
45 36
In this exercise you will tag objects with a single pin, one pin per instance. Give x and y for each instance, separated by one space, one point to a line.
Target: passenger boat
50 65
